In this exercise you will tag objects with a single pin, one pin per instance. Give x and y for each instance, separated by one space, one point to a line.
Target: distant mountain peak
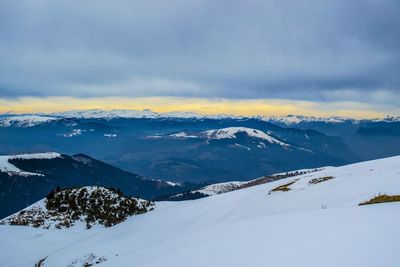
30 120
231 133
26 120
295 119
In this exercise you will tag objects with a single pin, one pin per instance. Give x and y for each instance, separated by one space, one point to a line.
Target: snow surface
219 188
312 225
110 135
6 166
231 132
183 135
75 132
171 183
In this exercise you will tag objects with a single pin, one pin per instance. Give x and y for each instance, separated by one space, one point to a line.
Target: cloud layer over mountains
302 50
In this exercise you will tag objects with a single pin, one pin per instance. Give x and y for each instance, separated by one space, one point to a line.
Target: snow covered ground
312 224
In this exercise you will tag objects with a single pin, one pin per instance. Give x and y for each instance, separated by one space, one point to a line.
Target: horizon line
201 106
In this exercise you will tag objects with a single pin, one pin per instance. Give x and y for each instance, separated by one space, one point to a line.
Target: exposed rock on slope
90 205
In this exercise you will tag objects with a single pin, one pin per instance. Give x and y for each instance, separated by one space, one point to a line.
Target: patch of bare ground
320 179
381 199
284 187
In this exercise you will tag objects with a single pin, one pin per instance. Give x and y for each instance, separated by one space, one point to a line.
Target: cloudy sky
308 56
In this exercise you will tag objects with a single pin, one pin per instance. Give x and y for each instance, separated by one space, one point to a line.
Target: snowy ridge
183 135
132 114
295 119
30 120
220 188
104 114
25 120
6 166
45 155
231 132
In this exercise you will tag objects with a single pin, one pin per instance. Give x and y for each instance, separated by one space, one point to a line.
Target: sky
276 57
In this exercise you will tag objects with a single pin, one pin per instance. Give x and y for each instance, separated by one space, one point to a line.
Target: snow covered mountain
27 178
296 119
178 149
25 120
190 147
314 219
232 132
30 120
229 133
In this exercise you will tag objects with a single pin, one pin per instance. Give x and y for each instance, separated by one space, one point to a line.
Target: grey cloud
307 49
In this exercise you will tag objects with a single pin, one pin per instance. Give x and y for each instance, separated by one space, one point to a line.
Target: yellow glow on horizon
248 107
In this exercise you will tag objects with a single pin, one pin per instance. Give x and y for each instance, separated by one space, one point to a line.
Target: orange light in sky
249 107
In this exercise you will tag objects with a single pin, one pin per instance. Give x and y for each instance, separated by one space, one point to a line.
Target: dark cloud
235 49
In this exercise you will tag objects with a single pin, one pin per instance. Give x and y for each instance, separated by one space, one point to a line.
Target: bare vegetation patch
284 187
320 179
381 199
87 261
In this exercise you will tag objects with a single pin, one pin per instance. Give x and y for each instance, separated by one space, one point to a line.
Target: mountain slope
27 178
220 188
361 136
247 152
308 220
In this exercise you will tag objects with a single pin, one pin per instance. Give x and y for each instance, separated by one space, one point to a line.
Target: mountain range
190 147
